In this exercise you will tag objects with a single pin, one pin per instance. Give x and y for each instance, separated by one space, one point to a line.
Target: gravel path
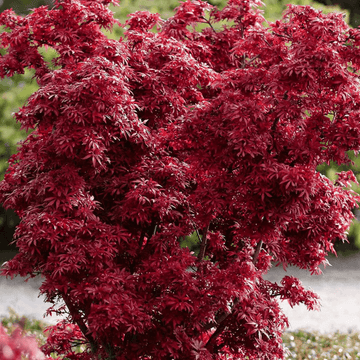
339 291
338 287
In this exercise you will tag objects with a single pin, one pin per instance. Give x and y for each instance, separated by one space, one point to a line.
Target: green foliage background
15 91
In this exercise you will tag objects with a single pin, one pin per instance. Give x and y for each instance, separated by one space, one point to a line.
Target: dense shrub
138 143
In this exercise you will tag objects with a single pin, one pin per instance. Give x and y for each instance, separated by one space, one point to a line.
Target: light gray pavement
339 291
23 298
338 287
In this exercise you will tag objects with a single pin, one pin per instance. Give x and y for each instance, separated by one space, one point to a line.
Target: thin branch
203 243
243 61
257 251
197 233
252 59
213 337
266 42
284 36
221 321
150 234
154 232
141 240
206 20
80 322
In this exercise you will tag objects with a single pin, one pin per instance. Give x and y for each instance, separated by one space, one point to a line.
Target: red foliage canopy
142 141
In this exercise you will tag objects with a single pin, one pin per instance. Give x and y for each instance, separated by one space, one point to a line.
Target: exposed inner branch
203 243
257 251
80 322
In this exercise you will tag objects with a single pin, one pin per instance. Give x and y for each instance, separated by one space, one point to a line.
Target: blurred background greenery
15 91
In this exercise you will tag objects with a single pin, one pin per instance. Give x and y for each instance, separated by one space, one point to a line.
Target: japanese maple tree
142 141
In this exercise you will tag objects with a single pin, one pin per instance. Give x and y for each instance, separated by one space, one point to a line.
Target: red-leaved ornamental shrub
145 140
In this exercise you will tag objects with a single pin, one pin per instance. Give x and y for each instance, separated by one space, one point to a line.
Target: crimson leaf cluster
139 142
